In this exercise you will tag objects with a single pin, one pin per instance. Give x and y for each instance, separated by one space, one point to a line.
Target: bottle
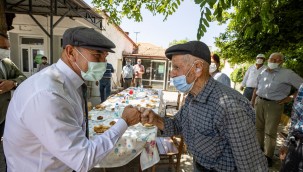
141 89
117 109
127 99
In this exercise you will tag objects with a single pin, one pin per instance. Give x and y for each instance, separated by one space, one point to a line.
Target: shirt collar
204 93
75 79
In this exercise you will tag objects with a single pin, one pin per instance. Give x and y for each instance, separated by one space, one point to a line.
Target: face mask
181 84
128 63
139 63
95 70
273 65
4 53
259 61
212 67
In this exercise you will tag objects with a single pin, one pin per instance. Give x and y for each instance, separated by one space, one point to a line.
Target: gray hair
277 54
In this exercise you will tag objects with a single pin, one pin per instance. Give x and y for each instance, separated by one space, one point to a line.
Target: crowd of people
45 128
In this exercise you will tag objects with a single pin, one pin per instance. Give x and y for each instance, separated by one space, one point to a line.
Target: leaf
198 1
205 22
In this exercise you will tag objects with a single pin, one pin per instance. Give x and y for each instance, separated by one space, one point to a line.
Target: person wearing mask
271 93
139 71
43 64
105 84
45 128
216 73
291 153
217 122
127 74
250 78
10 78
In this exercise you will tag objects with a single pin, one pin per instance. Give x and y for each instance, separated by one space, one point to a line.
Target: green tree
175 42
246 35
210 10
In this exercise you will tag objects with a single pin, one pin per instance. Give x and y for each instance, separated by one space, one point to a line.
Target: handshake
133 115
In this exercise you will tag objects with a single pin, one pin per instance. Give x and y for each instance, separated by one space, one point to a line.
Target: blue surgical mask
95 70
181 84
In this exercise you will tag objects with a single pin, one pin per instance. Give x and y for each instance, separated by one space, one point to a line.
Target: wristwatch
16 84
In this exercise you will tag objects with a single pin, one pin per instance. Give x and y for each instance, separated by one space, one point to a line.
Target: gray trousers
268 115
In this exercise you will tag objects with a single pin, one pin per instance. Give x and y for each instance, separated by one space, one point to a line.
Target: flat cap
195 48
87 38
260 55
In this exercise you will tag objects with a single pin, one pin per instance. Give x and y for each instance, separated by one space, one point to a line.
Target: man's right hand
150 117
131 115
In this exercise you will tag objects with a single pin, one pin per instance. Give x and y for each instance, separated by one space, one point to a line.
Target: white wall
26 26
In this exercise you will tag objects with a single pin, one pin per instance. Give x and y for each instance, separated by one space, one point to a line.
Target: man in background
250 78
43 64
271 93
127 74
216 73
105 84
291 152
10 78
139 71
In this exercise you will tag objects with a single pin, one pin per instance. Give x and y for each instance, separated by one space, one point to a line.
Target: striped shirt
218 126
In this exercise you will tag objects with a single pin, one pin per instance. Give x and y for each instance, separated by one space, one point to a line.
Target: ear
70 53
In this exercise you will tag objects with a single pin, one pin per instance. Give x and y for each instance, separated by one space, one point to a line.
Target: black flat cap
195 48
87 38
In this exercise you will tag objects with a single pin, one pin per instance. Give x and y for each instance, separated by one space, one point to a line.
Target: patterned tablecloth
137 139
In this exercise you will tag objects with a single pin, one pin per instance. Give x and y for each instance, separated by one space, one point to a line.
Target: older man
138 72
250 78
270 95
10 78
45 128
216 121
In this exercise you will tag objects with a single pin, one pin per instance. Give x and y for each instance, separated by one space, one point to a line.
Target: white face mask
95 70
4 53
273 65
259 61
139 63
212 67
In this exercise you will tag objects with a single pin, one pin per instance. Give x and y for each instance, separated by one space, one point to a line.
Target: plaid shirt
218 126
297 116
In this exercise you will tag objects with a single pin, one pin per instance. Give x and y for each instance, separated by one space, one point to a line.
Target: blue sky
181 25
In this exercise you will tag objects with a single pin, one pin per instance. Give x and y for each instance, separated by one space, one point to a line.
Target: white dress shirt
43 130
250 78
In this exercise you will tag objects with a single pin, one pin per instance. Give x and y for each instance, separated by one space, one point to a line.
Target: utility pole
136 35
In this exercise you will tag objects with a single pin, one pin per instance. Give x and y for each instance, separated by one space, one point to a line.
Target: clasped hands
6 85
133 115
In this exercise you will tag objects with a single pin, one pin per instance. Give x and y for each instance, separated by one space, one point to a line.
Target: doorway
32 50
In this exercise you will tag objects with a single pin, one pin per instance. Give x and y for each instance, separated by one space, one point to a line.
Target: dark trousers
293 161
1 144
104 88
248 92
127 82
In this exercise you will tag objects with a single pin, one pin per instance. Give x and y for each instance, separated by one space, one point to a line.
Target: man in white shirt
250 77
45 128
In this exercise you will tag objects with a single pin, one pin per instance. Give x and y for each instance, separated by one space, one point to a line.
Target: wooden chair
170 151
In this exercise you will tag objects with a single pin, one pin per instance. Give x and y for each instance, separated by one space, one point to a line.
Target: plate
148 125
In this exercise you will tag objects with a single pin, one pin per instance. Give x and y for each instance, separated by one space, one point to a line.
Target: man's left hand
6 85
285 100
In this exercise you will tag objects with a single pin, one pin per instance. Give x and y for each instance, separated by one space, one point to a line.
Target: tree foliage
248 35
175 42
